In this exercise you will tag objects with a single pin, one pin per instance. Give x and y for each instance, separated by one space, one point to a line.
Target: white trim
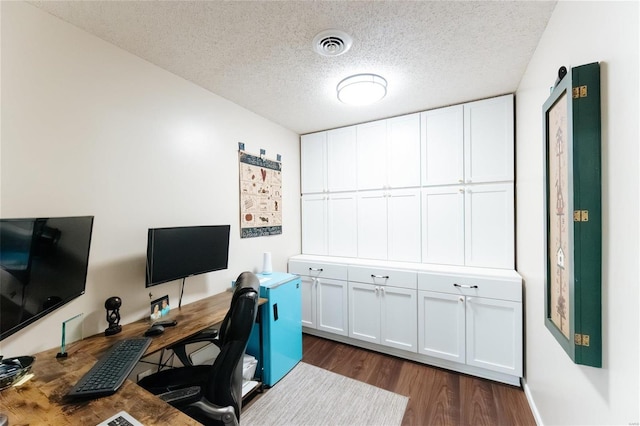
532 403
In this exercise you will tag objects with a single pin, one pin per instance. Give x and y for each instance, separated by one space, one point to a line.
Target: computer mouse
154 330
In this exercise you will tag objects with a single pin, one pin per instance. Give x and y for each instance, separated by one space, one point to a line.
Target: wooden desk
42 399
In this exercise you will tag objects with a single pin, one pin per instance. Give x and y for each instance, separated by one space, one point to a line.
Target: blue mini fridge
278 348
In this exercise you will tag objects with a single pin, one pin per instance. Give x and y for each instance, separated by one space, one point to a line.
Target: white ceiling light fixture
362 89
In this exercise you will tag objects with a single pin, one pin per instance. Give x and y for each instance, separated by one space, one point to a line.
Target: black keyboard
112 369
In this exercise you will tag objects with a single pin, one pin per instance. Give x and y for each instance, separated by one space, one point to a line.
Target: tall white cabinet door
403 151
372 225
372 155
488 140
494 335
489 226
331 313
308 294
314 224
313 159
403 225
443 233
342 225
341 156
364 312
399 318
441 325
443 146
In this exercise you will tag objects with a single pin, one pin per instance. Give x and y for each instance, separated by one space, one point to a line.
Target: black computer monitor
44 265
179 252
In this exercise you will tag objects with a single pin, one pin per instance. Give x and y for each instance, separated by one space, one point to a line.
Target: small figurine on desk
112 305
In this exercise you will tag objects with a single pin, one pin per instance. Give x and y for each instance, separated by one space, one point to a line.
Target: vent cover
332 42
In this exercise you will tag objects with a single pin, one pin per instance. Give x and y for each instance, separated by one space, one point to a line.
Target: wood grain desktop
41 400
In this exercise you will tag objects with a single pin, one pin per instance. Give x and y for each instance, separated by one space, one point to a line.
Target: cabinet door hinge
581 339
581 215
579 92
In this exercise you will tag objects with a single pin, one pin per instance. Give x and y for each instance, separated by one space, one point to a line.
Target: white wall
562 392
88 129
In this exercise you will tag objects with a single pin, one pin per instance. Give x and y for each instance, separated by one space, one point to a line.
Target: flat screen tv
179 252
43 266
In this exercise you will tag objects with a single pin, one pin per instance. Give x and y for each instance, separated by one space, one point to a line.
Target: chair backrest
224 386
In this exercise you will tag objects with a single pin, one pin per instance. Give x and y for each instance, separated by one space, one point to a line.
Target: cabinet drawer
318 270
468 285
383 276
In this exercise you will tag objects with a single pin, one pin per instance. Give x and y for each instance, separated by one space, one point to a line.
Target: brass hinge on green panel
581 339
579 92
581 215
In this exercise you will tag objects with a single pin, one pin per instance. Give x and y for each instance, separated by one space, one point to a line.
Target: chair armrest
226 415
181 396
206 335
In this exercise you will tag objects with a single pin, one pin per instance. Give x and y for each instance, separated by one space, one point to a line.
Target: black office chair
212 394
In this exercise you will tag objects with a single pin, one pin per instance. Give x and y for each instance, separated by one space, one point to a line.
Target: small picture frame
160 308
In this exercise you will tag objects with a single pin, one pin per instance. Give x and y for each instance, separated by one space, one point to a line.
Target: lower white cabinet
494 334
464 319
476 320
324 298
441 331
382 313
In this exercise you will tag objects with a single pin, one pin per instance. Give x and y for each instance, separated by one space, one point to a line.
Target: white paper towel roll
266 263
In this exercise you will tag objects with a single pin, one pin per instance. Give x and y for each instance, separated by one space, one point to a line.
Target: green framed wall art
573 289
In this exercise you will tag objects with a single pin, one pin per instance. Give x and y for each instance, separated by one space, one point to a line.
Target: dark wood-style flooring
436 396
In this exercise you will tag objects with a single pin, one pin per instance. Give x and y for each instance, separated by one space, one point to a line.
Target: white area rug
309 395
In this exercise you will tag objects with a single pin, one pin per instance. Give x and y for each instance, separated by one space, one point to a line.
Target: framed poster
571 117
260 196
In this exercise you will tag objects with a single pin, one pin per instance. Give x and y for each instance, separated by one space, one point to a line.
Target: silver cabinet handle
461 299
465 286
316 269
386 277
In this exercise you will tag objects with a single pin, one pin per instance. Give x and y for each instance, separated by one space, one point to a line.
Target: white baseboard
532 404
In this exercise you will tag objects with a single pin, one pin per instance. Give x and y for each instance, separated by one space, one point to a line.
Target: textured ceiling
259 54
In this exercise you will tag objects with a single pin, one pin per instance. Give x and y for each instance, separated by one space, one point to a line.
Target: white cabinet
341 225
469 143
443 225
494 334
388 225
341 153
329 224
382 307
441 319
433 187
488 140
313 162
388 153
489 225
470 225
476 320
443 146
327 161
464 319
314 223
324 296
371 157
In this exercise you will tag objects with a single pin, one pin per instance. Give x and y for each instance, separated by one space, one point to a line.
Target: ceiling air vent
332 42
